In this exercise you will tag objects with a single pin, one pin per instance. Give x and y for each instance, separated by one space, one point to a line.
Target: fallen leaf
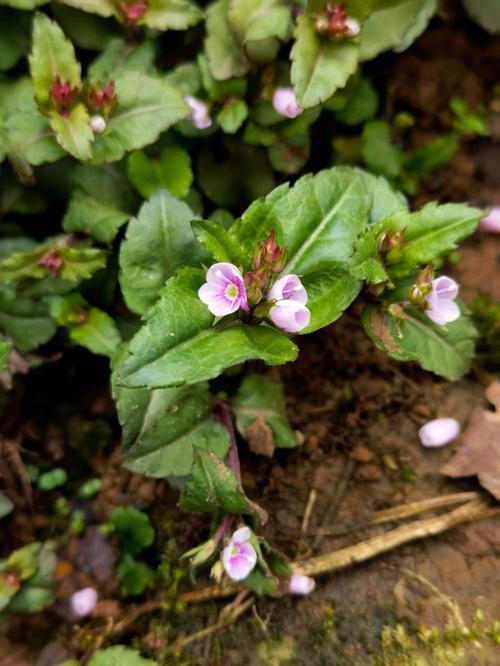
480 452
260 438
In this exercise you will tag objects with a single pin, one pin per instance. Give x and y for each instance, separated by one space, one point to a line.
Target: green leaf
444 350
99 220
24 4
225 57
171 14
27 322
261 397
424 10
365 263
217 240
158 241
361 104
106 183
320 66
135 576
213 487
6 505
146 107
379 153
384 199
14 37
120 56
73 132
232 115
178 345
331 290
133 528
37 592
486 13
120 655
434 155
160 428
5 349
52 56
171 171
430 232
104 8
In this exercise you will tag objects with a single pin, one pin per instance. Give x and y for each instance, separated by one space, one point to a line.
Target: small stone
369 472
362 454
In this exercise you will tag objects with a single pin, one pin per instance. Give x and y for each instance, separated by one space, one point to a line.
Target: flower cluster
337 23
283 300
63 96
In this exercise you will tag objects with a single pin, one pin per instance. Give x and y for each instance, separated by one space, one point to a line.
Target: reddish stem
223 413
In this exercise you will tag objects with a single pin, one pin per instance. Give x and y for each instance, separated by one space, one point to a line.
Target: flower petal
445 287
300 584
241 535
290 316
442 311
288 287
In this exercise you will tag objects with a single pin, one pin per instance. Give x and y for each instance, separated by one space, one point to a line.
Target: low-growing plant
221 263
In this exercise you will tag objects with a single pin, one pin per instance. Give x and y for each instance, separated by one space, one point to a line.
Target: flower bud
439 432
491 223
285 103
63 96
301 585
102 99
98 124
133 11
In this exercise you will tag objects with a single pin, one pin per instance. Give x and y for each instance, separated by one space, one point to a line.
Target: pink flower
239 557
224 292
285 103
439 432
491 223
289 313
84 601
441 306
302 585
200 116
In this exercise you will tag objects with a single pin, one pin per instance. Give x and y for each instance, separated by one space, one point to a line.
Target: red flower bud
63 96
52 262
102 99
133 11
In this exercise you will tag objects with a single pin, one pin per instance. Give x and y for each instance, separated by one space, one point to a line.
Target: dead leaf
260 438
480 451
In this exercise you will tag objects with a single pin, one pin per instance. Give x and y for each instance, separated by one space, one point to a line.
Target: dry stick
336 499
366 550
308 510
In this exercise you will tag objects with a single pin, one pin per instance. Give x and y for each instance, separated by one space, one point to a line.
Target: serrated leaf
88 215
444 350
157 242
146 107
120 56
73 132
424 10
430 232
171 14
135 576
365 263
320 66
120 655
384 199
213 487
361 104
232 115
27 322
171 171
217 240
104 8
160 428
133 528
52 56
225 58
179 345
261 397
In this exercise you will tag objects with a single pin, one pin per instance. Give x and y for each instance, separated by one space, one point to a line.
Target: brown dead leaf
260 438
480 451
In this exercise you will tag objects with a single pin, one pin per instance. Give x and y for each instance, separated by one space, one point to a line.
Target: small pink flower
224 292
84 601
200 116
441 306
285 103
491 223
301 585
289 313
439 432
239 557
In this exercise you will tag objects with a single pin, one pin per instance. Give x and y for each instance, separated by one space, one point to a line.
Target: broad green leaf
361 104
135 576
384 199
219 91
14 37
171 171
486 13
178 343
217 240
73 132
320 66
331 290
232 115
185 78
424 10
52 56
104 8
88 215
5 349
6 505
27 322
171 14
120 655
120 56
213 487
146 107
133 528
160 428
430 231
365 263
444 350
24 4
225 57
158 241
261 397
107 183
432 156
379 153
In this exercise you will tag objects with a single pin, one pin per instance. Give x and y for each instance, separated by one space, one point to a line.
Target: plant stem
223 413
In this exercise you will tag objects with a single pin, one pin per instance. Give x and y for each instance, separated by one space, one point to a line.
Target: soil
356 414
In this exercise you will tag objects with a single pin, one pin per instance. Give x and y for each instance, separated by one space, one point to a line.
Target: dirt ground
356 414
